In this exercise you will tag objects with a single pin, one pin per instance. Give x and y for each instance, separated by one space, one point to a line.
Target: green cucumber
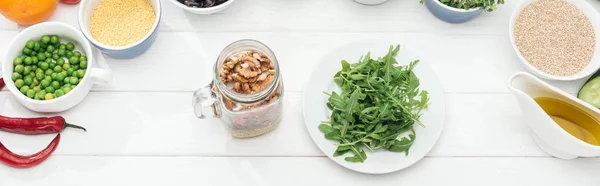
590 91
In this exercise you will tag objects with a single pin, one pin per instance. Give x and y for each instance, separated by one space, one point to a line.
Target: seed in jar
555 37
121 22
247 72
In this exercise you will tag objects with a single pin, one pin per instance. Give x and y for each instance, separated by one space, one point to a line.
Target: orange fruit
27 12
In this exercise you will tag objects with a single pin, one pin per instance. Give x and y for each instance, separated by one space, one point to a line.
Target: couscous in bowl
131 50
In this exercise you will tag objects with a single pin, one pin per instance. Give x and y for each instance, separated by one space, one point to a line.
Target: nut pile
249 72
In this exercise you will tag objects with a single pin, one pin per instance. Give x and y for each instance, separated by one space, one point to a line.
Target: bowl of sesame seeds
556 39
120 29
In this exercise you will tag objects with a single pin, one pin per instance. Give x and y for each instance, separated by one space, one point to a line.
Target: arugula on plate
380 100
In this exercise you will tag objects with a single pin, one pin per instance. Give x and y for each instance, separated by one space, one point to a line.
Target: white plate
381 161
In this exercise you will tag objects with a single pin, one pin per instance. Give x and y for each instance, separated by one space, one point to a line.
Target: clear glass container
246 114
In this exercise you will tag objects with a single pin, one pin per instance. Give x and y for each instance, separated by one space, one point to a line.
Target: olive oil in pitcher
572 119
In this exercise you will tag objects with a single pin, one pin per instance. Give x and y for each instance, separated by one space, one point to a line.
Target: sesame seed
555 37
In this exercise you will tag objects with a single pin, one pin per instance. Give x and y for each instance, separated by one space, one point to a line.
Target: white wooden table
142 130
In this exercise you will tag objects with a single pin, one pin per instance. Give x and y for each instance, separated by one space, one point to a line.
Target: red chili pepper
33 126
1 83
14 160
70 1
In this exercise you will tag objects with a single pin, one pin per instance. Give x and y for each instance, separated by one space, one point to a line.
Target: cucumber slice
590 92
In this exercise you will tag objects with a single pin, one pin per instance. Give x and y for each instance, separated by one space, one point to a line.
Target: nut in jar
246 91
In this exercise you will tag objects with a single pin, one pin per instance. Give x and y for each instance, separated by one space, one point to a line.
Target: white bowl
594 64
67 33
371 2
209 10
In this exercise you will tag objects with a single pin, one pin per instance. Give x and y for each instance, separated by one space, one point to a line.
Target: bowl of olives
202 6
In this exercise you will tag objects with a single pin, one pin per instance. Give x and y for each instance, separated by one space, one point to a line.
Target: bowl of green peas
50 67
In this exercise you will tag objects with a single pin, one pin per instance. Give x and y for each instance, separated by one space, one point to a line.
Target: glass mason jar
246 109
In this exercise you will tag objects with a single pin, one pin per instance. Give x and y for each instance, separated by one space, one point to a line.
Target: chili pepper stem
68 125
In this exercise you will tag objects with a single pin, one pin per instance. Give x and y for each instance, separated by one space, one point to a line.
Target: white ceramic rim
82 40
456 9
511 27
214 8
88 35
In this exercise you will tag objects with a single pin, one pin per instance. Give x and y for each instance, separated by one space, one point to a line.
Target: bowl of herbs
460 11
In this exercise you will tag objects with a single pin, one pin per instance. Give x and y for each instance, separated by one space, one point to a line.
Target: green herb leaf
380 100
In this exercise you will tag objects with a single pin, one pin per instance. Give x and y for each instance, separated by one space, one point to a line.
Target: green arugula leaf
380 100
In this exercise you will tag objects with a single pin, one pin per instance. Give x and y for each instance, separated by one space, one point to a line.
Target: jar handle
202 99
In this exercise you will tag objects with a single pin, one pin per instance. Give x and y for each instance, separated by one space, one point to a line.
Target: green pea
83 64
36 46
35 82
74 81
66 66
41 56
49 96
19 69
69 54
55 56
24 89
27 51
51 64
60 61
34 60
44 65
62 52
37 89
83 58
15 76
42 47
64 73
33 54
49 89
27 69
53 75
55 85
74 60
58 69
66 81
67 89
46 39
30 44
80 73
70 46
49 72
28 80
54 39
39 70
45 83
48 54
70 71
19 83
76 67
40 94
60 77
50 48
30 93
62 46
59 93
17 61
77 54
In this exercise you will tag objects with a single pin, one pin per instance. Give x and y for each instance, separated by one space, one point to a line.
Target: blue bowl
450 14
86 8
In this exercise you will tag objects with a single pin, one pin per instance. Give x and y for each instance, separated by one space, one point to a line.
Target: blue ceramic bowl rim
177 3
85 31
456 9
